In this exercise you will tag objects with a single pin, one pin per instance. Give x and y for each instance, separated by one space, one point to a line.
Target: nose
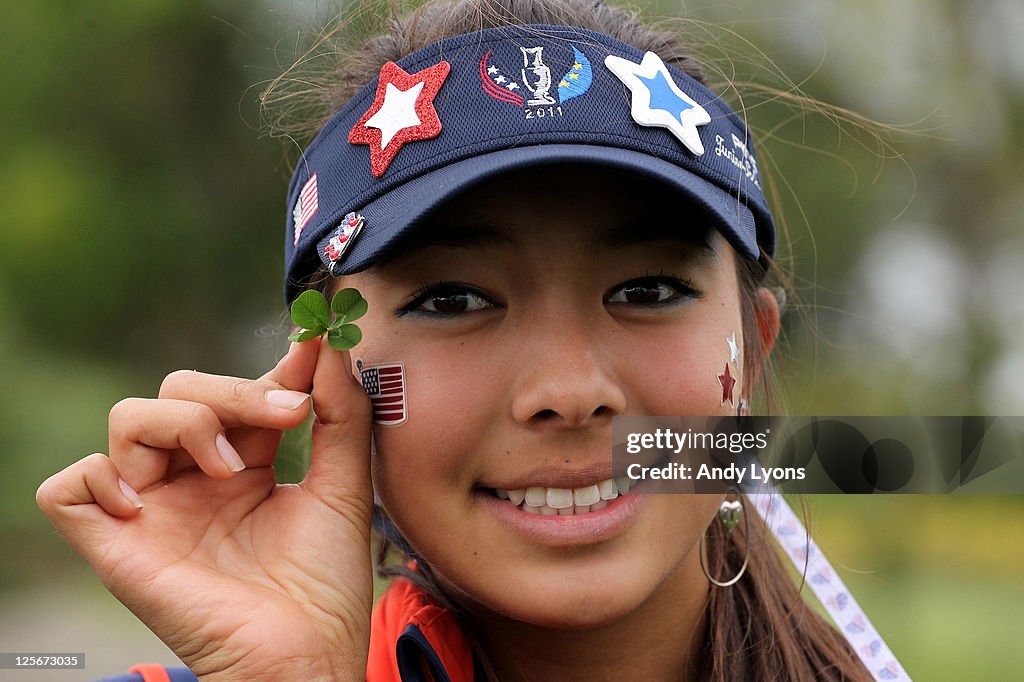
569 380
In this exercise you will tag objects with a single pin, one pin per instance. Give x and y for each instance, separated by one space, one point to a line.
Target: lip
552 478
569 531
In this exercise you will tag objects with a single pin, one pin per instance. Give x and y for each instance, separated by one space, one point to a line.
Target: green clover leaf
349 305
306 334
344 337
311 312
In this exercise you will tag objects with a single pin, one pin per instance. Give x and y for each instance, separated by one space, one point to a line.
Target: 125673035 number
41 661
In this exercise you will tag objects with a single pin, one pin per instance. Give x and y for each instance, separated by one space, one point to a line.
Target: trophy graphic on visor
540 82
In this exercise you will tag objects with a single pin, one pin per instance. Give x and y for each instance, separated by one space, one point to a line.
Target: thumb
295 369
339 471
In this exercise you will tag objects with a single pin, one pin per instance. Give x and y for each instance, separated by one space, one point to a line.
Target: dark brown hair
758 629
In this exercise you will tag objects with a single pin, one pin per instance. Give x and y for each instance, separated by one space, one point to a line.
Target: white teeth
565 501
559 498
607 490
584 497
537 497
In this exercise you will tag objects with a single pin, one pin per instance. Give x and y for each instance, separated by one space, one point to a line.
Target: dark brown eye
644 294
650 292
449 301
449 304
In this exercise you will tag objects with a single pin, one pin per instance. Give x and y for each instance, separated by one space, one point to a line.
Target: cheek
676 368
451 408
698 511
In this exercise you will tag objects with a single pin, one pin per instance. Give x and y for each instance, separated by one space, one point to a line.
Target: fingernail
130 494
228 454
289 400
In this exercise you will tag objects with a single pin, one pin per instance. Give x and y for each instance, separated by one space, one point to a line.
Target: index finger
277 400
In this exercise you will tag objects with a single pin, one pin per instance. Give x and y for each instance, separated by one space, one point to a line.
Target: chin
557 615
576 600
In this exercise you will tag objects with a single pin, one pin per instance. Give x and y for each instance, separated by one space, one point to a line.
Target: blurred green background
142 229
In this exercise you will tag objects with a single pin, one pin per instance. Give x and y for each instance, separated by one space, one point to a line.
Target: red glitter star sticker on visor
402 112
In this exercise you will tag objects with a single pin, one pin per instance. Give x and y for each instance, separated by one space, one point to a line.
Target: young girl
554 222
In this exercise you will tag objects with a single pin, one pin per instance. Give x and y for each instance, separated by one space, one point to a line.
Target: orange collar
414 639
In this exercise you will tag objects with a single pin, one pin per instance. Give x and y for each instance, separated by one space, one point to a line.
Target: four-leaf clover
311 312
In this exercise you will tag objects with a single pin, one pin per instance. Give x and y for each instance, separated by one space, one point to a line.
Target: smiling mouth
565 501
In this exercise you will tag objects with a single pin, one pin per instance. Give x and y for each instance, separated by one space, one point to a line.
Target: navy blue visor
476 106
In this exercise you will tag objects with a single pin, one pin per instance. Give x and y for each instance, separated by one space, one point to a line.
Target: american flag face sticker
385 384
305 206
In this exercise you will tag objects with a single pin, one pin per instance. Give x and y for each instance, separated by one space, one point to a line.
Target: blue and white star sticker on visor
658 101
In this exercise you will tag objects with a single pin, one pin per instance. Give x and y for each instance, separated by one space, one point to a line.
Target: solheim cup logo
533 62
546 95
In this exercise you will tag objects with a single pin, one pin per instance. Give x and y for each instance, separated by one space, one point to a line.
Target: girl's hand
242 578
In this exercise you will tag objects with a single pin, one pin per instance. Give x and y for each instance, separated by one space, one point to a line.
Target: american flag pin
346 233
385 384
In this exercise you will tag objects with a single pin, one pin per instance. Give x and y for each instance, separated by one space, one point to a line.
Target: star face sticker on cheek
403 111
728 383
658 101
734 350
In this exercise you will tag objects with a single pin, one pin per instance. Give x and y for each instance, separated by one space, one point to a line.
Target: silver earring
730 512
742 408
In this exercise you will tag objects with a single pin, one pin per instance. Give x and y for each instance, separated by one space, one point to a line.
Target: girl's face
528 314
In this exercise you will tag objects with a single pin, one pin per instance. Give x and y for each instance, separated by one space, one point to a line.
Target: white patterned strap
828 587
